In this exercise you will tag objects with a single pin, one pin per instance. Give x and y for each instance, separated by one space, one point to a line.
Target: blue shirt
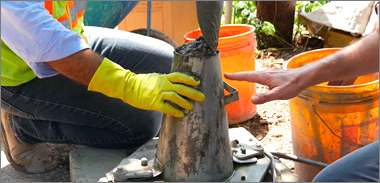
33 34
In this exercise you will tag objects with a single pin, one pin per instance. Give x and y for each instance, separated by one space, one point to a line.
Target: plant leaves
245 12
240 5
268 29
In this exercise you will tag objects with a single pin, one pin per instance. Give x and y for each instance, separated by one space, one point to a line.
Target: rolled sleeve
33 34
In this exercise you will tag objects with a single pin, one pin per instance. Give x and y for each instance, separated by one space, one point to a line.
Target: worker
62 82
358 59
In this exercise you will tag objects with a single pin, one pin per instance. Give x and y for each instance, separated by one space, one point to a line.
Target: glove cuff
110 79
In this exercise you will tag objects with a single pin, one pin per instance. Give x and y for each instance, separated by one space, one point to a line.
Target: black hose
273 168
299 159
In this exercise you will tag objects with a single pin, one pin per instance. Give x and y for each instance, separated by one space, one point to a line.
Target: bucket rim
326 86
226 25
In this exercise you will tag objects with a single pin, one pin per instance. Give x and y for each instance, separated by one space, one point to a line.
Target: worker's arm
144 91
79 67
357 59
33 34
49 48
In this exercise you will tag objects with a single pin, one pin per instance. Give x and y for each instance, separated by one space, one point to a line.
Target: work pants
361 165
59 110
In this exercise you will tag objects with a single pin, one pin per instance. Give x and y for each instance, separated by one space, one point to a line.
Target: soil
271 126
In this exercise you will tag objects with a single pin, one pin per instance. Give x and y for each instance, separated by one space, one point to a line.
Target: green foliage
306 6
268 28
313 5
244 12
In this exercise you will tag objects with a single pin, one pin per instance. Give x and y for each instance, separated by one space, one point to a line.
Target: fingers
170 110
178 100
189 92
261 98
277 93
251 76
183 90
174 98
177 77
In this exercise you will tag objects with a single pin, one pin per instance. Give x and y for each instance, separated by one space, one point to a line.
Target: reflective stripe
77 12
79 15
70 19
69 10
72 14
65 16
68 13
55 9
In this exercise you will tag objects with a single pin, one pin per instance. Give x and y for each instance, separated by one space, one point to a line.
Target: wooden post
228 12
280 14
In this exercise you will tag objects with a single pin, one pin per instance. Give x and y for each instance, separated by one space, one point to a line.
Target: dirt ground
271 126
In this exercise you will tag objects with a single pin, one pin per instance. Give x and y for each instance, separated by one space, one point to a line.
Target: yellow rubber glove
146 91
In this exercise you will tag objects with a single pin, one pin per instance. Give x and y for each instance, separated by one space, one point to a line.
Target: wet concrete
198 48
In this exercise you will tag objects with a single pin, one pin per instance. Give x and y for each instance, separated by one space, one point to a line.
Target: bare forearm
357 59
79 67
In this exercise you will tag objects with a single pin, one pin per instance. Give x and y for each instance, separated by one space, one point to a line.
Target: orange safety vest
14 70
68 13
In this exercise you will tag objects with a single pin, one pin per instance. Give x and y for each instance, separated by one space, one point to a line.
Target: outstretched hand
283 84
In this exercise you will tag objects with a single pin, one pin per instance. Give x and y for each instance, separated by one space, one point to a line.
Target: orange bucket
236 46
351 112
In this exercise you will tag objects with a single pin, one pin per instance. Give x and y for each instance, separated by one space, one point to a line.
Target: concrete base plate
92 164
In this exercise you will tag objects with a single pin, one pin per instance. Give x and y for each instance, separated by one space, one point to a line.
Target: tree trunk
228 12
280 14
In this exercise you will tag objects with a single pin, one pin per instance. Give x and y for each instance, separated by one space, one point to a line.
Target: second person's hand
283 84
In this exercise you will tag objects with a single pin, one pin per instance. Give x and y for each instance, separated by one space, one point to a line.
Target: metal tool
209 15
246 152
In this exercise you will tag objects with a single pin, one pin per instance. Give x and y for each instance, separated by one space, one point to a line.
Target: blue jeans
59 110
361 165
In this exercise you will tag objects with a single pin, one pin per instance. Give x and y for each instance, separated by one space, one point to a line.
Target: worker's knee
145 127
164 61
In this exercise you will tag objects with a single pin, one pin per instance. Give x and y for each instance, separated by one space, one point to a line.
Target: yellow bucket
317 113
